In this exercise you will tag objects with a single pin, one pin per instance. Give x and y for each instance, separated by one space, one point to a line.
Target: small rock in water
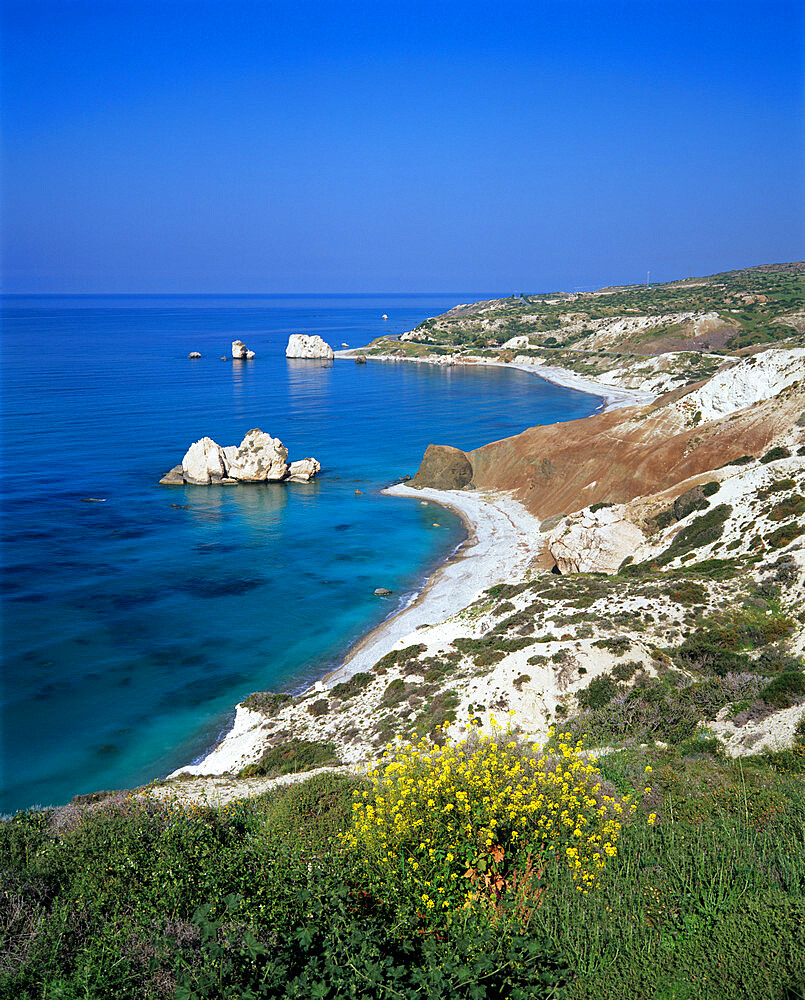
224 358
382 592
303 470
423 503
173 478
435 524
384 316
241 351
180 506
358 493
360 359
194 354
344 344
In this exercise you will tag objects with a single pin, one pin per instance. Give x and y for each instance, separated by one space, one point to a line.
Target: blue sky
355 147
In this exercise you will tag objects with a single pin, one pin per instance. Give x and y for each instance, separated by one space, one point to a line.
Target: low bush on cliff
448 825
351 686
291 757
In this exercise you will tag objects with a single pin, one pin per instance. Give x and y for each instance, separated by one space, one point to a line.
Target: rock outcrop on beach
443 468
241 352
259 458
301 345
594 541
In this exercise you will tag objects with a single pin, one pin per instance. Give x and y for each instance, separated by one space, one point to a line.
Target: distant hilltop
725 312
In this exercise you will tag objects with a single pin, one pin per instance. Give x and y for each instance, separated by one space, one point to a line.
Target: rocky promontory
301 345
443 468
259 458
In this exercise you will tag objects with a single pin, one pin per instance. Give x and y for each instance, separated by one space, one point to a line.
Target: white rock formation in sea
204 462
594 542
240 350
303 470
758 377
300 345
194 354
259 458
384 316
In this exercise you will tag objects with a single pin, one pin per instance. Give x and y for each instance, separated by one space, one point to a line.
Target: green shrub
711 488
784 690
319 707
617 644
700 532
351 686
793 506
266 702
400 657
785 535
775 454
291 757
600 691
492 648
397 691
625 671
687 592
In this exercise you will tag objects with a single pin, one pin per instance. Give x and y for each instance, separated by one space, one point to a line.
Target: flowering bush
476 815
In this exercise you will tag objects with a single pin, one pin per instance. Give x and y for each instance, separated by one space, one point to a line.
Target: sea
135 616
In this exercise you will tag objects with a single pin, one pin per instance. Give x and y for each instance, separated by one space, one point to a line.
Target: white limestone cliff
758 377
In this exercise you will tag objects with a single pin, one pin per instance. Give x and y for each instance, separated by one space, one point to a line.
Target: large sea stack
300 345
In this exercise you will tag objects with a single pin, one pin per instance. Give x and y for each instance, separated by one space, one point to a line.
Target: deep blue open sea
132 627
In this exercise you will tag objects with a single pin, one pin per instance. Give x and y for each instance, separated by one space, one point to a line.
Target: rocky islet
259 458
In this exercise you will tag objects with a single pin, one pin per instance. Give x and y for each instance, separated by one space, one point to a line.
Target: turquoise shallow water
132 627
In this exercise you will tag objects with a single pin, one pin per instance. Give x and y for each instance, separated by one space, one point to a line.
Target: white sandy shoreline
504 539
614 397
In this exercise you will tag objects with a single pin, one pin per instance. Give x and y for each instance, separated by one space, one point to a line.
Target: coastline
614 397
503 541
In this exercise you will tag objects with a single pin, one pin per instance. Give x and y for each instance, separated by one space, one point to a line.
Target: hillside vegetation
658 337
